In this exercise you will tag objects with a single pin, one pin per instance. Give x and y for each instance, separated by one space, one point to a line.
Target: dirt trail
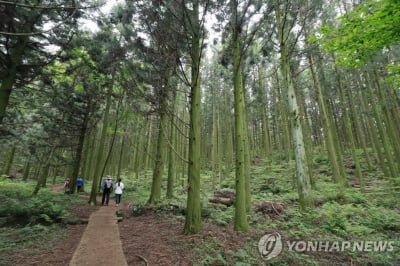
100 243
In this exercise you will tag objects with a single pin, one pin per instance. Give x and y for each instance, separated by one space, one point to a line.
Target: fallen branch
269 207
143 259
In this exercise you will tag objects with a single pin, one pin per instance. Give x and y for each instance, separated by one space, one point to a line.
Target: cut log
225 201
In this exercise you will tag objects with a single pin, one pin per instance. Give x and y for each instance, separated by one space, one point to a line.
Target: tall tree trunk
148 149
388 120
372 131
159 158
171 155
9 80
140 148
303 179
27 170
121 157
284 140
306 125
9 162
241 223
228 149
349 131
382 131
100 151
79 150
88 174
214 139
43 176
193 215
328 130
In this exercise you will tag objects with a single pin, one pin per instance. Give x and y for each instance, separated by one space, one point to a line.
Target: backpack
108 184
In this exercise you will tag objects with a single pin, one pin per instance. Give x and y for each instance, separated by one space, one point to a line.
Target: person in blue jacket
79 184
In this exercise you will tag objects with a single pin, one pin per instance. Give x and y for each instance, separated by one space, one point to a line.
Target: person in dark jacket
107 187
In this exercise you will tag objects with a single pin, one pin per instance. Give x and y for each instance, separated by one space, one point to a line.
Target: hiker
119 187
79 184
107 187
66 186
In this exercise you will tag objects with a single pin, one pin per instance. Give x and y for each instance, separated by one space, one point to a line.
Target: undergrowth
30 223
352 216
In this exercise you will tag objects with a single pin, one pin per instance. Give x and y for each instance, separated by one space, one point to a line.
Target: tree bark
303 180
193 216
241 224
100 151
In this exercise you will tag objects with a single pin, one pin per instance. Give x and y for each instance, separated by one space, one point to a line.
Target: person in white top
119 187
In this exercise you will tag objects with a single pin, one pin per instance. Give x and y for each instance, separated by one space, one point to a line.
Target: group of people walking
79 185
107 187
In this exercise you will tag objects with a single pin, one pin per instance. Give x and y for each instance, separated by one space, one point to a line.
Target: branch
45 7
171 146
40 32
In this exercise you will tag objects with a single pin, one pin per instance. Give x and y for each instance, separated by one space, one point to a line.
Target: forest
246 132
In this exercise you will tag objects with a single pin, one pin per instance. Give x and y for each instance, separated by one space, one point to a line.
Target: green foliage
381 219
394 75
388 202
319 159
370 27
21 208
278 157
334 220
222 216
210 260
241 257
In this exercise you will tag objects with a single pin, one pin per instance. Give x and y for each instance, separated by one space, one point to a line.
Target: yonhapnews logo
271 245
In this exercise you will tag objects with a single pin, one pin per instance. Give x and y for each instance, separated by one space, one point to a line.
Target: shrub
334 219
21 208
222 217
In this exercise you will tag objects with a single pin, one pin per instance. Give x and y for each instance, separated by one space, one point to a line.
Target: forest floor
150 239
153 235
144 239
60 253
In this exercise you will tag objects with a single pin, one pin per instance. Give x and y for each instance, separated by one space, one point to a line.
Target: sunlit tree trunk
303 180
